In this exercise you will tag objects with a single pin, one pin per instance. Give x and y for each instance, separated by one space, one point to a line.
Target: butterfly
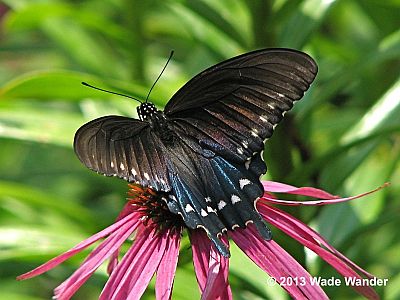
205 150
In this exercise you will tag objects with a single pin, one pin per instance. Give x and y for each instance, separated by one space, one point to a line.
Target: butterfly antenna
162 71
110 92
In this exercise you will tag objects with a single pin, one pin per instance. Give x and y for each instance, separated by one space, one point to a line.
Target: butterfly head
146 110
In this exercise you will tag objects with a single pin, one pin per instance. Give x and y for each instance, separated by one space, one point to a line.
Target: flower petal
131 219
93 261
211 268
132 275
307 191
274 260
167 268
294 227
312 240
113 262
278 187
201 246
217 285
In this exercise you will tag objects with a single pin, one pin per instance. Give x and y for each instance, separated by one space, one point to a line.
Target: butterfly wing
123 147
232 107
219 121
210 192
223 116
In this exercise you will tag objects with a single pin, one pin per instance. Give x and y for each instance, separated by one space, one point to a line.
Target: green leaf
29 242
37 126
211 12
55 85
382 114
207 34
40 199
309 15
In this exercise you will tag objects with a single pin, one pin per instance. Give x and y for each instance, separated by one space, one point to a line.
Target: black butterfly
205 148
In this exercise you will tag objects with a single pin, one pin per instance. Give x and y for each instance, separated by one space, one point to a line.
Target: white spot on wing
133 171
204 213
146 176
208 199
245 144
273 126
254 132
235 199
221 204
239 150
270 105
172 197
188 208
210 210
264 119
121 166
243 182
247 164
112 165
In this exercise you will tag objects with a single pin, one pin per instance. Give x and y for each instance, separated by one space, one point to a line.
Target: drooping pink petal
217 285
210 267
131 219
274 260
201 246
118 273
311 192
312 240
278 187
113 261
294 227
167 268
132 275
65 290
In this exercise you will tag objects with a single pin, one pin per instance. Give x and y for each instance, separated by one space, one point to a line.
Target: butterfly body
205 149
159 125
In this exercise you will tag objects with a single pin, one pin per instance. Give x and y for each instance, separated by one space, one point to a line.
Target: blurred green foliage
343 136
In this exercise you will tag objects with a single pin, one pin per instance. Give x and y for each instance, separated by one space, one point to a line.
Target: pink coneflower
157 241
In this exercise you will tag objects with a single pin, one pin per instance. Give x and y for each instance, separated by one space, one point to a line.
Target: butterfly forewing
123 147
232 108
274 71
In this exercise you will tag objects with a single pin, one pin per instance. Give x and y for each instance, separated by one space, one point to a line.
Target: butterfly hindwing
212 193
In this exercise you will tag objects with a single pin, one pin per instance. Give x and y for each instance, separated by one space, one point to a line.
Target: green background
342 137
